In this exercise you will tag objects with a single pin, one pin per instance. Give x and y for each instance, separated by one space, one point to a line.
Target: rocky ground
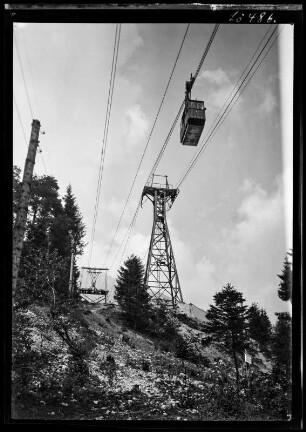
129 377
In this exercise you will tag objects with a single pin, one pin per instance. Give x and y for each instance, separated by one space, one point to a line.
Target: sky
232 220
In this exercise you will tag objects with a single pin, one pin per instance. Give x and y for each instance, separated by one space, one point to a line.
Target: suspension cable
182 105
168 137
145 149
106 126
223 114
23 77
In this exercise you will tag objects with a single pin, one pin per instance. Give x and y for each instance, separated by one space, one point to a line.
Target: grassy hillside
105 371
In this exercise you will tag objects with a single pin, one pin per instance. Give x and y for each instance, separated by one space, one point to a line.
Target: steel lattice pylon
161 274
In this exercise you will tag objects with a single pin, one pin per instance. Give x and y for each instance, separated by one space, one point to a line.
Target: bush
146 366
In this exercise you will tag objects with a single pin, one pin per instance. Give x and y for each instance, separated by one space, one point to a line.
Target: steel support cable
28 98
107 118
233 90
127 234
229 107
182 106
35 95
178 115
205 52
31 75
23 77
105 135
149 139
103 148
24 135
23 132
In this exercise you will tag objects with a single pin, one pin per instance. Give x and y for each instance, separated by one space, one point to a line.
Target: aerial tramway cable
28 99
166 141
223 114
221 117
105 135
147 144
156 163
23 77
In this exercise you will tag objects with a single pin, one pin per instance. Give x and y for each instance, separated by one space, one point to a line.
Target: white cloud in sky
218 76
251 247
130 40
137 125
260 213
268 104
218 86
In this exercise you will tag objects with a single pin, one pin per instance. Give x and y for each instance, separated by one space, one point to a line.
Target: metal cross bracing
92 289
161 275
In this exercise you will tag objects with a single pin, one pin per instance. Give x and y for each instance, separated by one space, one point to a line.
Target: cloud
250 250
197 275
137 125
218 77
268 104
218 87
259 213
130 40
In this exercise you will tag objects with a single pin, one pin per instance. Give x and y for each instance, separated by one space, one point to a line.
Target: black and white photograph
155 214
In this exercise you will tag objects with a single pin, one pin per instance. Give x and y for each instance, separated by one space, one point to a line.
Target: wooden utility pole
21 218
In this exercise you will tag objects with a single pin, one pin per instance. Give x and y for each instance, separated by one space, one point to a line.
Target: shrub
146 366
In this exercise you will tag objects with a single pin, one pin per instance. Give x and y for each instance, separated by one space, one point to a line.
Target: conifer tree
227 323
75 220
285 285
131 294
260 327
282 346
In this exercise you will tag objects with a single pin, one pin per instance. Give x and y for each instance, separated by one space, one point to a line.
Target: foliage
131 294
260 327
191 322
39 271
164 324
75 223
285 285
50 225
227 322
282 346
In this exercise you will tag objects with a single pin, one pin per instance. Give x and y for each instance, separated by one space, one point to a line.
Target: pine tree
227 323
131 294
282 346
285 285
260 327
75 220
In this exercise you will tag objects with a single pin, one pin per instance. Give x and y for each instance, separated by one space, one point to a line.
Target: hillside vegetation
138 359
121 374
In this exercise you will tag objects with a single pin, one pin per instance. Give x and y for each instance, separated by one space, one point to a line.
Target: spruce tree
282 346
131 294
227 323
260 327
285 285
74 220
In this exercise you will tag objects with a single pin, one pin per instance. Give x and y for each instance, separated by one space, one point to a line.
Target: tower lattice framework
161 275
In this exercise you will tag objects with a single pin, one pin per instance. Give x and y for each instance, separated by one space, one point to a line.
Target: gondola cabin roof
192 123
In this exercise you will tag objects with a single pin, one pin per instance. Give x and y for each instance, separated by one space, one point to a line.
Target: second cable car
193 119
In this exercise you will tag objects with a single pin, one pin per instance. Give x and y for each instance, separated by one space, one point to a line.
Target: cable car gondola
193 118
